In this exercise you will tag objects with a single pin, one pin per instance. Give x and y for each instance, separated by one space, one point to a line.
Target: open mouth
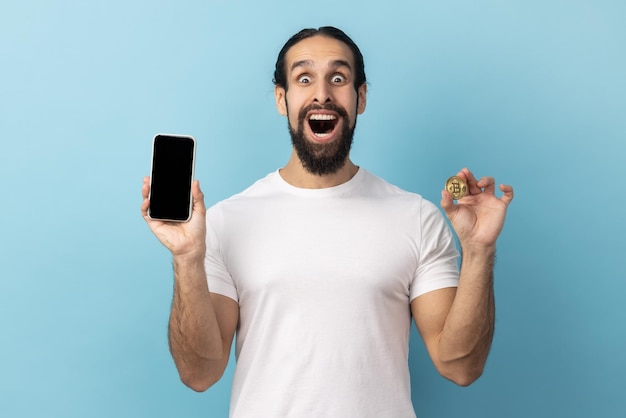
322 124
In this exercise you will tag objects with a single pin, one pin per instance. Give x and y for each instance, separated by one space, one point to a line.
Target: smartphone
173 161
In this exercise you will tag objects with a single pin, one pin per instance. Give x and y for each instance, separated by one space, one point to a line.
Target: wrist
189 257
478 253
190 253
189 273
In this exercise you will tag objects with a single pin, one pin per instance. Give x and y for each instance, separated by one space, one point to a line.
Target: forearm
466 338
194 334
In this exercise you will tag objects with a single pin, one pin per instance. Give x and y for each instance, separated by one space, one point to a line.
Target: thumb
447 204
198 197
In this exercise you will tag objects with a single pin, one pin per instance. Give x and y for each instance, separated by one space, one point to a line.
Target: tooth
322 117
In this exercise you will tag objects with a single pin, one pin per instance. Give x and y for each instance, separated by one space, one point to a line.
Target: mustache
328 106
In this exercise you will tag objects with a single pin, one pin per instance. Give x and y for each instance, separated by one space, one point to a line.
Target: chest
343 247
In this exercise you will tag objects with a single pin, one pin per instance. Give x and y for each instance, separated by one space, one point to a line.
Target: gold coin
456 186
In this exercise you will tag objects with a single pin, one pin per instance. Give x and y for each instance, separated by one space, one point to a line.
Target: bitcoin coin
457 187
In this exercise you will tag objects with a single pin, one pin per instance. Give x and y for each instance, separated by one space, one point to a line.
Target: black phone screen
171 178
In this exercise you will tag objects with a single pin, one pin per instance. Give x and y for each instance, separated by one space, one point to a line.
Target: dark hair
280 77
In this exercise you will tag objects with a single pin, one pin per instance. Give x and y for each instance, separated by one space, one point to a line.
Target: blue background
532 92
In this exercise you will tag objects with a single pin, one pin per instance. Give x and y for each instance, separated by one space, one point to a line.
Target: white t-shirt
324 280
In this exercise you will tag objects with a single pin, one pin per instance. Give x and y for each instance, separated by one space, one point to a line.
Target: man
321 265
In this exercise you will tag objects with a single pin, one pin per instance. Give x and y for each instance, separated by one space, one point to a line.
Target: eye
338 79
304 79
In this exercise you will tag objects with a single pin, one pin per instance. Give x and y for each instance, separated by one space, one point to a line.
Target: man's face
321 103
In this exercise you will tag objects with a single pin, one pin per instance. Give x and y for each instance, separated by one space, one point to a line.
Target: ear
362 94
281 104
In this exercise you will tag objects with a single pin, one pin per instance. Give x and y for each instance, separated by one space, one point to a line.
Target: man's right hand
181 238
202 324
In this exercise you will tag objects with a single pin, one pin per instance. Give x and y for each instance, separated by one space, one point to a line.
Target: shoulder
380 187
411 202
260 188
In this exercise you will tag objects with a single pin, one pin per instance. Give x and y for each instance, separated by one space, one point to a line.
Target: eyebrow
309 63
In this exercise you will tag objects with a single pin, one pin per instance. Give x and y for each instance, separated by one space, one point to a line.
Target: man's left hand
478 217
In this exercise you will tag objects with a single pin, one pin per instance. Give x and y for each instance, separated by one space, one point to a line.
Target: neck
295 174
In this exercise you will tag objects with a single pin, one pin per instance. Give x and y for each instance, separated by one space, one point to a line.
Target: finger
472 183
145 204
508 193
488 184
447 203
466 172
145 188
198 196
145 191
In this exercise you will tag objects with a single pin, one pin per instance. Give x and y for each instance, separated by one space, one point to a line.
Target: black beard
322 159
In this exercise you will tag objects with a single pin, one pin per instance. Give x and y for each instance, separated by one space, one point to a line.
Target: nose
322 93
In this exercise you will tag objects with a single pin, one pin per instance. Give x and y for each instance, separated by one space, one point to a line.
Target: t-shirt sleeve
438 265
218 278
